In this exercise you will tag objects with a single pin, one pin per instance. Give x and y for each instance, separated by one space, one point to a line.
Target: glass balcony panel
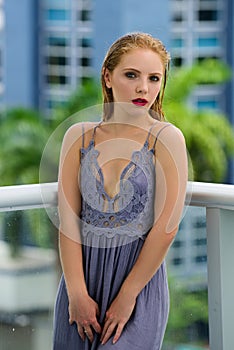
29 274
26 313
187 273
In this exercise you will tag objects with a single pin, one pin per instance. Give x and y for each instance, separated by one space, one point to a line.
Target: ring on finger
86 331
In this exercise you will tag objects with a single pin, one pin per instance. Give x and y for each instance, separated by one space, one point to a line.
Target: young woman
122 185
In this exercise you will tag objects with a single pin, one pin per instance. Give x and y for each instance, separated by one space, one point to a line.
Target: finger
105 327
71 319
118 332
96 326
108 333
97 310
81 332
89 333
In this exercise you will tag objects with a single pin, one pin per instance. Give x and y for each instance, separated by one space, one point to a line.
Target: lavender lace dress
112 241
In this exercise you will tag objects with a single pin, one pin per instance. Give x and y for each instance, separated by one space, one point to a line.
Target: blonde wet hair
113 56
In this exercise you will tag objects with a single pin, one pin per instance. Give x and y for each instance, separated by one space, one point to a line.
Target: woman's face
137 78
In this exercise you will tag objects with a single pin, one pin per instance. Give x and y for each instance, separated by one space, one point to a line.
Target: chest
116 180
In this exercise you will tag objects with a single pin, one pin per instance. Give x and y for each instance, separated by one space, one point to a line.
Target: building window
177 43
178 244
84 15
178 17
200 259
177 61
52 104
57 79
200 242
85 61
177 261
208 42
202 58
58 15
199 223
57 41
207 15
57 60
207 104
85 42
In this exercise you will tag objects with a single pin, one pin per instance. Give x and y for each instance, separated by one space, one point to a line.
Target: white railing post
220 252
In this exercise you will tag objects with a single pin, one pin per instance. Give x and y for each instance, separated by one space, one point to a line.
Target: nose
142 86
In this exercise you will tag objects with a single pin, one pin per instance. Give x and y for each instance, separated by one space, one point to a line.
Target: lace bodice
107 221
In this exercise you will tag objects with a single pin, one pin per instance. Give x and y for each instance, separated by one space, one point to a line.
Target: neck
125 113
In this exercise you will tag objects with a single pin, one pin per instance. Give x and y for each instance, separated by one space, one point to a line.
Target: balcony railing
219 202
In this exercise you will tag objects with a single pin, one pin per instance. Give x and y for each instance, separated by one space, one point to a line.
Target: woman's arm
69 204
171 181
82 309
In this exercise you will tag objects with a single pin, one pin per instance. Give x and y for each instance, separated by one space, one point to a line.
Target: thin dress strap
149 132
83 135
93 134
147 139
94 130
159 132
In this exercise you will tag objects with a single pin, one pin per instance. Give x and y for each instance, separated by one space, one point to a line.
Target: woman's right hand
84 311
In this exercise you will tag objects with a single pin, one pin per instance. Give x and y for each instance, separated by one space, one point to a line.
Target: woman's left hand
117 316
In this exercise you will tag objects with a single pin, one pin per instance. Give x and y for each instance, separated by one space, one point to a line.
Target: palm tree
209 136
88 94
210 142
208 133
24 137
23 134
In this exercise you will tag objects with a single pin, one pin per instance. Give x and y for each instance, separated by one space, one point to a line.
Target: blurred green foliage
188 317
209 136
210 142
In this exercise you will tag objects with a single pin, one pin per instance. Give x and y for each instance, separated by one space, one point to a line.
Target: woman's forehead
141 57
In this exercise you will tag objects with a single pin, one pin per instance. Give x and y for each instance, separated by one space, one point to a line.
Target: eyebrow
136 70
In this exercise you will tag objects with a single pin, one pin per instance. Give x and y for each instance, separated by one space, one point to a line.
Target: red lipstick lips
140 102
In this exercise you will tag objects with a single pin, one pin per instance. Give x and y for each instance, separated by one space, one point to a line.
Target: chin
132 111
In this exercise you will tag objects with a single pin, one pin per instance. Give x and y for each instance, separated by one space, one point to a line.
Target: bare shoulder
170 135
75 131
80 127
171 150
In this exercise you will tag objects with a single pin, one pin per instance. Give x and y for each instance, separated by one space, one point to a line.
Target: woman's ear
107 78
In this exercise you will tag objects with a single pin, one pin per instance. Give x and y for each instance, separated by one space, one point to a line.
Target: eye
130 75
154 78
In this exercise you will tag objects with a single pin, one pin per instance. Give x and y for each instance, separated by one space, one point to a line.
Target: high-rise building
112 19
19 63
65 49
50 46
2 26
74 36
199 30
204 29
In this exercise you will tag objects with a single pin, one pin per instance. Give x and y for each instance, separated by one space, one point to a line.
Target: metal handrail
22 197
218 200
